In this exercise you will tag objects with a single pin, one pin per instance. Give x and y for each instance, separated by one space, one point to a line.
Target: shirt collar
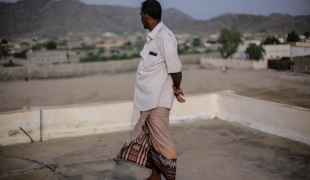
154 32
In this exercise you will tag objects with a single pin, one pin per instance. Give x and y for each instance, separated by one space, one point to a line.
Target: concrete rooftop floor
212 149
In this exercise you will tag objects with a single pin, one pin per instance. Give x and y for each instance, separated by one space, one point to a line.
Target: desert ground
271 85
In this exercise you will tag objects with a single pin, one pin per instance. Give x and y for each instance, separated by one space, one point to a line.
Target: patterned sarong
150 143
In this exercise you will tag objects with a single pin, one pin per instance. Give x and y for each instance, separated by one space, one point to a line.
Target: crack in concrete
41 165
107 160
221 143
240 139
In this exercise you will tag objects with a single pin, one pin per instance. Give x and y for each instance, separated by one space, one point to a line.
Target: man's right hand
178 92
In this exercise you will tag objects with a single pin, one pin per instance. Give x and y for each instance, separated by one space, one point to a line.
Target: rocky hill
275 23
60 17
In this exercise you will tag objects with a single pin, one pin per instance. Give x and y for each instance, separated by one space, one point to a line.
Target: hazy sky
206 9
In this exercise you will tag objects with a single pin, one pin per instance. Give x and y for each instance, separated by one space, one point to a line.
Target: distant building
302 64
240 54
47 57
280 64
302 44
109 46
300 49
272 51
300 55
277 51
281 39
253 13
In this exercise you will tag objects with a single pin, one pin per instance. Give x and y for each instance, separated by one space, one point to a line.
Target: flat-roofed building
302 64
47 57
277 51
109 46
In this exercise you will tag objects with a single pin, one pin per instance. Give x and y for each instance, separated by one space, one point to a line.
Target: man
158 79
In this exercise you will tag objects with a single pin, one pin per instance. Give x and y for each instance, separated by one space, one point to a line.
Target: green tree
127 46
255 52
292 37
211 42
4 48
4 42
63 43
230 40
196 42
307 34
271 40
85 47
37 47
114 51
50 45
20 54
101 50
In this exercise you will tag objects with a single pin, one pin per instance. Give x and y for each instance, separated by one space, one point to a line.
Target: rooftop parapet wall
10 132
273 118
79 120
88 119
234 63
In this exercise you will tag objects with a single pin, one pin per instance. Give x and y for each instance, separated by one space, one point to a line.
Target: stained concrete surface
212 149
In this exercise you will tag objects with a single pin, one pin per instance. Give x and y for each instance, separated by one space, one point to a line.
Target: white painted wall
79 69
69 121
273 118
299 51
277 51
272 51
11 122
234 63
47 56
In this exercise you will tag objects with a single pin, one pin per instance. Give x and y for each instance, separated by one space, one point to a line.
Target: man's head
150 11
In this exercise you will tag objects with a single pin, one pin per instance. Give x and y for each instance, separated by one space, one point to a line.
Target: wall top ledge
267 102
38 108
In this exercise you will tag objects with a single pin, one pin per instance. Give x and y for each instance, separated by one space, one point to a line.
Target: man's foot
116 160
153 178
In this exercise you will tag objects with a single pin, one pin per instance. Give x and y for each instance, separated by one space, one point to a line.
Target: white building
277 51
47 57
272 51
300 49
240 54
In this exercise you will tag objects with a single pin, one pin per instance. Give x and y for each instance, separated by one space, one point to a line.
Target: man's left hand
178 92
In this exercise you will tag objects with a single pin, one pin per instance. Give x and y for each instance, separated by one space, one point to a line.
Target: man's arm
168 49
177 78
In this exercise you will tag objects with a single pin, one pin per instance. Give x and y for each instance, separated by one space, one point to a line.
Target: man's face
143 19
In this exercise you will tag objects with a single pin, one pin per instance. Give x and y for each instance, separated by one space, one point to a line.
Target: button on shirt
159 58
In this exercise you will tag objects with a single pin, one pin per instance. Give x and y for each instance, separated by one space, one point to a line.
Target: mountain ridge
58 18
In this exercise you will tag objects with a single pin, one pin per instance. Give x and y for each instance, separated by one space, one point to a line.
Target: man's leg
162 148
137 146
156 174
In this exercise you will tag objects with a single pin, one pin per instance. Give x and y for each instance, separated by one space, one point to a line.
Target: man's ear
146 16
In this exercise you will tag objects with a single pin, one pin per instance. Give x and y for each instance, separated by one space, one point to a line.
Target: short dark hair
152 8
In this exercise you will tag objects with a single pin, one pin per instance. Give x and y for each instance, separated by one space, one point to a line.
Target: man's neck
153 24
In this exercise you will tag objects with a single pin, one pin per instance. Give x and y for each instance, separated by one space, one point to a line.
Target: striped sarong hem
142 152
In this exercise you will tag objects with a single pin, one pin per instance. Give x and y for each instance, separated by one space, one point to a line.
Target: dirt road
283 87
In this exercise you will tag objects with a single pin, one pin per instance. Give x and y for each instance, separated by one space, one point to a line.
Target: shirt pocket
149 60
